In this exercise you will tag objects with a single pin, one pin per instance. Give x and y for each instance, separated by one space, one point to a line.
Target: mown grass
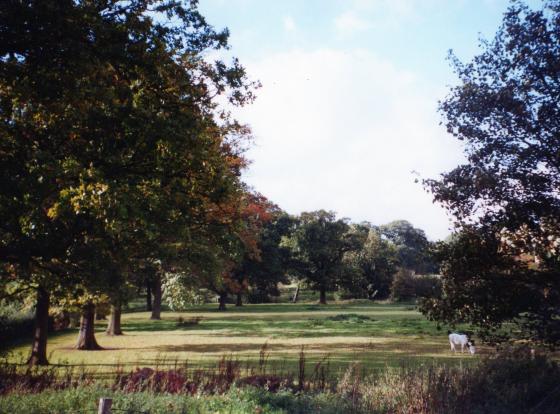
375 335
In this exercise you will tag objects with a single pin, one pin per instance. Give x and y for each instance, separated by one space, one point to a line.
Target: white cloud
344 131
289 24
349 22
386 14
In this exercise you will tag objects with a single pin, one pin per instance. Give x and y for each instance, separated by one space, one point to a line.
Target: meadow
375 335
346 357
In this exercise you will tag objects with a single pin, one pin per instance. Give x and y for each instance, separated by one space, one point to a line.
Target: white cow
461 339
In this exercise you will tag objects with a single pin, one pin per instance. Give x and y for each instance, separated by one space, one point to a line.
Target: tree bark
239 300
156 303
114 325
322 296
39 344
148 296
222 302
86 337
296 295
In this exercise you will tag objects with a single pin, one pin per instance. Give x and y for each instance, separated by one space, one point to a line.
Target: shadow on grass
300 307
386 347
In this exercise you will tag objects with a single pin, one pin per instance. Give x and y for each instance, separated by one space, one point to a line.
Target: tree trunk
322 296
296 295
222 302
149 296
86 337
39 344
114 326
156 303
239 300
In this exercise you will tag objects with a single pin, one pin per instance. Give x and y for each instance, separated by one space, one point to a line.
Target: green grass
84 400
375 335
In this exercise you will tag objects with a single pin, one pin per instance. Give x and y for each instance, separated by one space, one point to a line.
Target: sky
346 118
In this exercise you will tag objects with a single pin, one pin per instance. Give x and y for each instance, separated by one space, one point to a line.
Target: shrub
408 286
427 286
15 324
513 382
402 288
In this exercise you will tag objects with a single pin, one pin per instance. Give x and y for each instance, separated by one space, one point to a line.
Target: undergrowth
514 381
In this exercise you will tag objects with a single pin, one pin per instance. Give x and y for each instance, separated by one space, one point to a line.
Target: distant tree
371 267
412 246
319 243
271 268
504 264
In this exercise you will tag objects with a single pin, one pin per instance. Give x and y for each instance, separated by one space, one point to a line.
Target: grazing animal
461 339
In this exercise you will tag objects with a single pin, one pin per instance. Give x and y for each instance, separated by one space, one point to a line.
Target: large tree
112 145
319 243
504 265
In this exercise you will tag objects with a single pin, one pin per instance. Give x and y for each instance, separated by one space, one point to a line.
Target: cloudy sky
346 118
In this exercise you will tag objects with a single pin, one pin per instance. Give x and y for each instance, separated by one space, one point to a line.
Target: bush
15 324
408 286
513 382
402 288
427 286
516 381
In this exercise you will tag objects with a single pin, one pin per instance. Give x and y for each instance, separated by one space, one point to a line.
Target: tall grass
514 381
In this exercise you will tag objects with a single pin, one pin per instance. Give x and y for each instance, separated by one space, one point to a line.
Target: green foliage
407 286
484 287
319 243
15 323
411 245
402 288
370 269
270 268
180 291
427 286
235 402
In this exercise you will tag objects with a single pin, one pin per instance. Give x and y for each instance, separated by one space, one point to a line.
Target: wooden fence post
105 406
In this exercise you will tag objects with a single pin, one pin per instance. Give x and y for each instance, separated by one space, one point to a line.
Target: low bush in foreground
512 382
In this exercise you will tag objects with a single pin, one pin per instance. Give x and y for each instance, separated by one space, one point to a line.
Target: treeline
317 251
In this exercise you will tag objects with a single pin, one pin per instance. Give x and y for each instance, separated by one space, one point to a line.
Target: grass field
374 335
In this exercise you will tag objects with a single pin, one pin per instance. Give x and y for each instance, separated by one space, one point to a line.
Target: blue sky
346 118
